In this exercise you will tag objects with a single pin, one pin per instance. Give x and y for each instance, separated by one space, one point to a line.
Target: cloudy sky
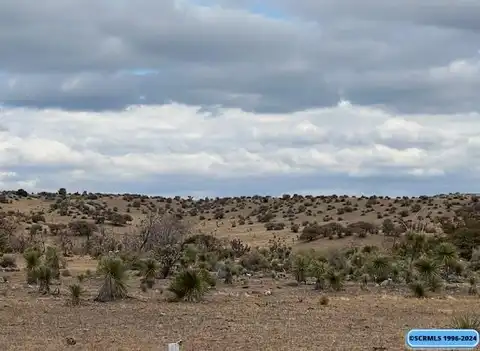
240 97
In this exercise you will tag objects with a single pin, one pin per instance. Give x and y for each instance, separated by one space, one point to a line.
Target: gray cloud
410 64
69 54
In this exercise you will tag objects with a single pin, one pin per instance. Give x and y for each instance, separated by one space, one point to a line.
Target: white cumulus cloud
141 142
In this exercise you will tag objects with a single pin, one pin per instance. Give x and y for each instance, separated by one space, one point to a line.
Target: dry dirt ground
231 318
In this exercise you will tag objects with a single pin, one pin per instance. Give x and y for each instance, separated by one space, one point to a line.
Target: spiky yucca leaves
427 268
317 269
44 275
380 268
149 270
189 285
429 271
114 285
32 258
447 256
466 321
76 292
53 261
335 279
446 252
300 266
413 246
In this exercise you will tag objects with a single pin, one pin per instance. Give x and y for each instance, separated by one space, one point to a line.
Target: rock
268 292
386 282
71 341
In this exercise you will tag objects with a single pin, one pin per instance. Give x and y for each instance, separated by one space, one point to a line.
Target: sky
240 97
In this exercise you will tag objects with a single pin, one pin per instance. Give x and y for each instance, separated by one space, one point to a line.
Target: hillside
96 271
251 219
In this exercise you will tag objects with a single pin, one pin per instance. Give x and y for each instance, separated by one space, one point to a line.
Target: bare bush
8 227
165 236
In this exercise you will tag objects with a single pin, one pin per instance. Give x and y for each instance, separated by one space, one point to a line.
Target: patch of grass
466 321
418 289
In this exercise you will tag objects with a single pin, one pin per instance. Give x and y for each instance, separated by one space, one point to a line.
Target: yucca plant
466 321
446 254
189 285
149 270
335 279
317 269
413 246
427 268
53 261
32 259
300 266
76 292
380 268
44 275
114 286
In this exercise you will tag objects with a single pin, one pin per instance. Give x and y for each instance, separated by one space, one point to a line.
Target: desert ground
290 272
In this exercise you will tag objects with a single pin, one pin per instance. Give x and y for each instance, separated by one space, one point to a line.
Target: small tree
165 236
8 227
83 228
317 269
62 192
300 266
53 261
